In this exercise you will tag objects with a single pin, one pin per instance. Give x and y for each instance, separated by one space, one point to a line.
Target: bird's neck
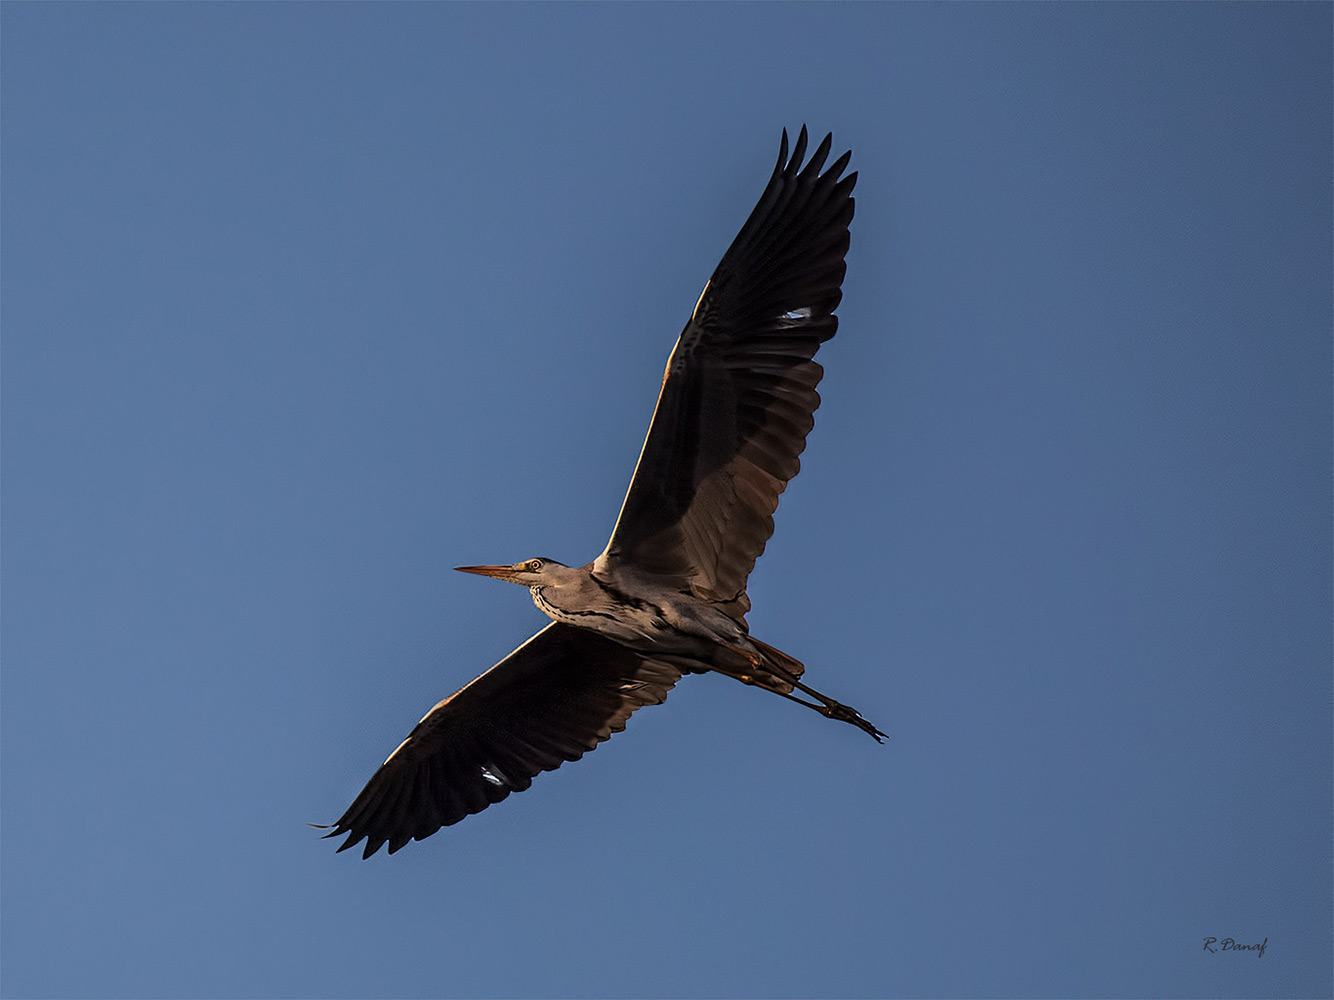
568 597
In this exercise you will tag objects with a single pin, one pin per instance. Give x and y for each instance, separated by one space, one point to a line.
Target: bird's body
637 610
667 596
634 609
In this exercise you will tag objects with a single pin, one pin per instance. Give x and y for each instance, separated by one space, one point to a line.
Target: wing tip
793 165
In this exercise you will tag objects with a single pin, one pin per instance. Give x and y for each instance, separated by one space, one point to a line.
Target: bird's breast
650 621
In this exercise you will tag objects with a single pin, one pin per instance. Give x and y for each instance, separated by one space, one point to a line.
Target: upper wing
558 695
738 397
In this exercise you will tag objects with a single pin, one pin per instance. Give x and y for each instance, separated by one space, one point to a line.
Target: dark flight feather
739 394
552 700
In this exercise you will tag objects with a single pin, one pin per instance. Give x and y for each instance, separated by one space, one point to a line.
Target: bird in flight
667 596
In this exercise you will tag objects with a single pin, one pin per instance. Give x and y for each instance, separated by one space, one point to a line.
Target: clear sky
306 304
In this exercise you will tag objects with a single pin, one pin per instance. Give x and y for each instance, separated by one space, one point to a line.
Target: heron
667 596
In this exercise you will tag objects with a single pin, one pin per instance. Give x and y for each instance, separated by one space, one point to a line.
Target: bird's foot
835 710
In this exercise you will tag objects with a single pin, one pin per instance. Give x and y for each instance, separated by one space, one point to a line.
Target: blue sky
306 304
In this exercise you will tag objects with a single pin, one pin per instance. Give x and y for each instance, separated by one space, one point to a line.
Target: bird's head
529 573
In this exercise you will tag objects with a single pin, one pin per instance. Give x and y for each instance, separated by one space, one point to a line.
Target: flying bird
667 596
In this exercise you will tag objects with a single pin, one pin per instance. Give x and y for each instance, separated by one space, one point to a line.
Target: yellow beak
507 573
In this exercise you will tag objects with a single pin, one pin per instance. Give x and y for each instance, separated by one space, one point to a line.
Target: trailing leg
777 672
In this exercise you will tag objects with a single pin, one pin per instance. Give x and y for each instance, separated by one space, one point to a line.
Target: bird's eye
534 565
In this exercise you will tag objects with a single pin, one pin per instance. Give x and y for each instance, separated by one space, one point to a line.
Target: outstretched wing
551 700
738 397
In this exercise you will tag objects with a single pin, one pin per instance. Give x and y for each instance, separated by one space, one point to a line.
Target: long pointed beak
499 572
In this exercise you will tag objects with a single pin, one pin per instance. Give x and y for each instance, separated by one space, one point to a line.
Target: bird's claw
843 713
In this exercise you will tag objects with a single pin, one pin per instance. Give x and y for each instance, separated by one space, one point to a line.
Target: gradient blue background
304 305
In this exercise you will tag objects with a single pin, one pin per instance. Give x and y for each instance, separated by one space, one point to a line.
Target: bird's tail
785 669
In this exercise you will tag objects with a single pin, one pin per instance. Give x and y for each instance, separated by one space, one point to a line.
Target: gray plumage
668 594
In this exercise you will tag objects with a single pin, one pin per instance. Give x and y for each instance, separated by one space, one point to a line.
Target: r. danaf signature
1213 944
